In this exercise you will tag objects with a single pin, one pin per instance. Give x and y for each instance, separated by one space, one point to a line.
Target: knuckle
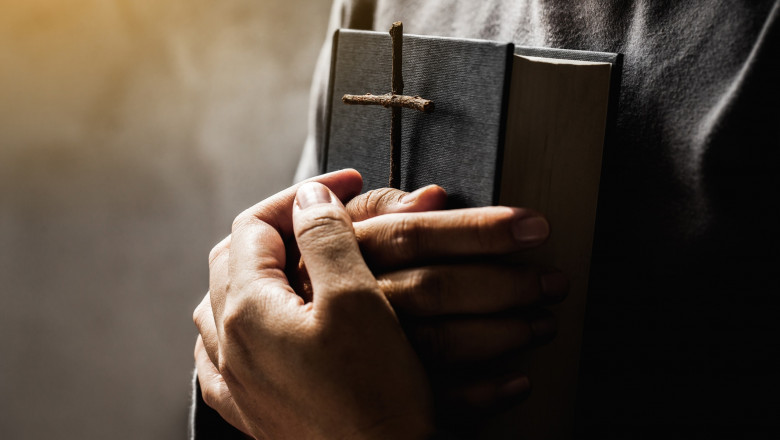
379 199
203 311
242 221
428 286
210 393
483 231
364 206
405 238
236 321
486 227
198 315
369 203
324 223
520 290
227 373
374 202
216 251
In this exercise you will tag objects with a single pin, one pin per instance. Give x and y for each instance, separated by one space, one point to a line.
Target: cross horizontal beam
390 100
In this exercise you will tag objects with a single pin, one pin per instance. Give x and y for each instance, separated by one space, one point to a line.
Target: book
514 126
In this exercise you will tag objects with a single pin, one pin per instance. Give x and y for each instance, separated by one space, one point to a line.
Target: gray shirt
681 319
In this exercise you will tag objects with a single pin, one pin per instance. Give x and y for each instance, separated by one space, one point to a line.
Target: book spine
323 153
510 55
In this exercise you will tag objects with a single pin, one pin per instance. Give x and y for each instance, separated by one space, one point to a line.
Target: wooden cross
395 100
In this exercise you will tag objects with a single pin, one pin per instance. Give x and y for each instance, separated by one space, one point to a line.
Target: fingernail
412 196
554 284
515 386
310 194
545 327
531 229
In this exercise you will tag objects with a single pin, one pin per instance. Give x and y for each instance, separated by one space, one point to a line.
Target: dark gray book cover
459 146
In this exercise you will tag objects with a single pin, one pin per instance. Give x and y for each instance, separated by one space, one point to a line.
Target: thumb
328 245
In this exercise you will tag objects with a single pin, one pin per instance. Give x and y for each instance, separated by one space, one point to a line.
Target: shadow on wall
131 133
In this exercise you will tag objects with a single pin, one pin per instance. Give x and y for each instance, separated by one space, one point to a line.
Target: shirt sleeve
353 14
205 423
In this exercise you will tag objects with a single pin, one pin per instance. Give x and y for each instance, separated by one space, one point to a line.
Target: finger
466 395
328 245
389 200
464 408
257 253
471 288
270 222
214 390
204 320
370 204
469 340
398 240
483 395
277 209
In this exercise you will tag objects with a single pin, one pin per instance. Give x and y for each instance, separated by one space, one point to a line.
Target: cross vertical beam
396 101
397 34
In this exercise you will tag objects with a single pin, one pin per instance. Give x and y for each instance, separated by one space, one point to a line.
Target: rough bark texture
400 101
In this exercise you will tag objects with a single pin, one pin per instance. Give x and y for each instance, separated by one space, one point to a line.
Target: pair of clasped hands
384 318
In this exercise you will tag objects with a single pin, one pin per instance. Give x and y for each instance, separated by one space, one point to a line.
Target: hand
336 367
468 314
466 319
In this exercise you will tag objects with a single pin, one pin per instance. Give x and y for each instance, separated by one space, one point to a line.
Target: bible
515 126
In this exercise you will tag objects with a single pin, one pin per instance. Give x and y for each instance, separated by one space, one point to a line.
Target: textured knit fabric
682 316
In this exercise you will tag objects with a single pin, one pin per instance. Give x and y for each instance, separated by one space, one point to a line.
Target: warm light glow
131 133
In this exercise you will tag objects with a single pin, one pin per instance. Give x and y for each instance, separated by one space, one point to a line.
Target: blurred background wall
131 133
